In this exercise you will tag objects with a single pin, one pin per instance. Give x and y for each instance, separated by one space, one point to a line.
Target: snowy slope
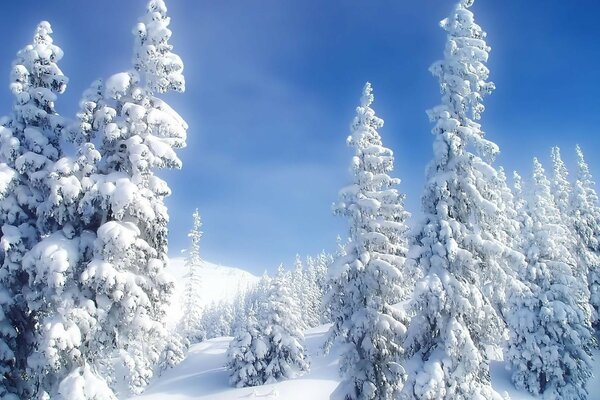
202 376
218 283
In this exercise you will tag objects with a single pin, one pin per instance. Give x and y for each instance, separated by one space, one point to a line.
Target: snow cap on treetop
367 95
162 70
35 65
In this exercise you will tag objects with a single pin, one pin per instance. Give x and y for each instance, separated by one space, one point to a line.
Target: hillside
202 376
218 283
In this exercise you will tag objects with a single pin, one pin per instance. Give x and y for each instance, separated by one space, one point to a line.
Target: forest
497 267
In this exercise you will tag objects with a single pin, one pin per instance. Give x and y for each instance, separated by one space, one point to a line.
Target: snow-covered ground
218 283
202 376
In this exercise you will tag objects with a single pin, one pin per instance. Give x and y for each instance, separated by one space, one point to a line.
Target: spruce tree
562 193
29 149
455 323
136 134
269 348
192 304
247 354
586 215
549 346
280 318
369 275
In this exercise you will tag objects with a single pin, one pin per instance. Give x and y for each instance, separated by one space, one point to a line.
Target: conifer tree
586 215
455 323
137 134
192 297
247 353
370 274
562 194
282 326
29 149
549 346
269 349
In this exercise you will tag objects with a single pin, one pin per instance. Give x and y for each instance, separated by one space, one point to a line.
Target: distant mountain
218 283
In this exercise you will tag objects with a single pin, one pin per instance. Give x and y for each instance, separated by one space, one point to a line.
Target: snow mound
219 283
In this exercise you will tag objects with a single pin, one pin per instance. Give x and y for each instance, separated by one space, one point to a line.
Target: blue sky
272 86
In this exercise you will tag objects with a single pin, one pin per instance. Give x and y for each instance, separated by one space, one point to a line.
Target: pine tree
124 200
586 216
173 352
549 347
313 293
282 327
29 149
369 275
322 263
455 322
506 229
333 301
247 354
562 194
270 348
192 304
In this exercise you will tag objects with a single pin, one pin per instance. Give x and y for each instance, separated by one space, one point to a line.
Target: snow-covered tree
217 320
282 326
247 354
136 134
29 149
173 352
192 304
322 263
550 335
314 295
66 319
298 286
562 194
270 348
333 300
507 229
370 275
455 325
586 225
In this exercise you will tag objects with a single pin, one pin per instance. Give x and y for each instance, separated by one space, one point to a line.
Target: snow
202 376
218 283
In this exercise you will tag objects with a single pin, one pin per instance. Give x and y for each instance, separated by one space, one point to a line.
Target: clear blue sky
272 86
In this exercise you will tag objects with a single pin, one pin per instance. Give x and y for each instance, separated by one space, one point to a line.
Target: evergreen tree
313 293
192 304
247 354
298 289
507 230
562 194
269 349
124 200
322 263
282 327
173 352
369 275
29 150
586 215
455 323
549 347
